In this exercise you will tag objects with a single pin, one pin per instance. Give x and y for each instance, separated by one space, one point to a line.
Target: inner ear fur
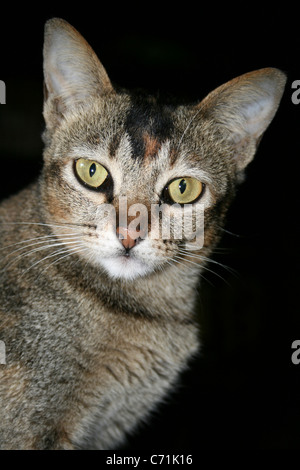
73 73
243 109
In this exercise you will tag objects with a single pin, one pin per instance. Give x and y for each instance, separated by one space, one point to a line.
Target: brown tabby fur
90 354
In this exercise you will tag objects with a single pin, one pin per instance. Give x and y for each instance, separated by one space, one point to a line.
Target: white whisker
203 267
58 252
170 260
71 226
228 232
209 260
74 251
42 239
35 250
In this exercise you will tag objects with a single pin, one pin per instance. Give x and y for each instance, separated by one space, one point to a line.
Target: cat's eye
90 173
184 190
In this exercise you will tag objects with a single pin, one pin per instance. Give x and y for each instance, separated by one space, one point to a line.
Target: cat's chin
126 268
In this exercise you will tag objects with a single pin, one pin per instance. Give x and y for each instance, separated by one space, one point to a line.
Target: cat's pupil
92 170
182 186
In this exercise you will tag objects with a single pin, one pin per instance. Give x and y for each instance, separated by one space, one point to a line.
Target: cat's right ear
72 71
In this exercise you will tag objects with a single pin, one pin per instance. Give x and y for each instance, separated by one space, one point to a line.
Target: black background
243 392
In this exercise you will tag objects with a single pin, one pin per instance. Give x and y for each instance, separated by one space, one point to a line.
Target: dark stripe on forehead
148 125
114 144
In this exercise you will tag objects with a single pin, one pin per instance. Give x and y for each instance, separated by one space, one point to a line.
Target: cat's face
148 175
133 186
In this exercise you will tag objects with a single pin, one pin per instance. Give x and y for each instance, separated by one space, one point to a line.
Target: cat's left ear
243 108
72 71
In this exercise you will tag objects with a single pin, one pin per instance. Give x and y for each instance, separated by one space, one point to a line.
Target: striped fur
96 335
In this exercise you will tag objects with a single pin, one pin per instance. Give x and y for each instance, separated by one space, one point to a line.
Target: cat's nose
127 237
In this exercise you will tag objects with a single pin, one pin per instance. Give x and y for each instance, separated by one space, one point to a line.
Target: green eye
185 190
90 173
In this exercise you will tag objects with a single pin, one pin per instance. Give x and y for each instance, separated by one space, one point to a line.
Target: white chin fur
124 268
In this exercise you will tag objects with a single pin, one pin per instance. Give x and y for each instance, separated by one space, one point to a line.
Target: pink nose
127 237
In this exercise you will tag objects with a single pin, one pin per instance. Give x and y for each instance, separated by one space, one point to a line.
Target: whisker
203 267
41 242
58 252
228 232
44 238
74 251
209 260
216 249
69 225
40 248
172 260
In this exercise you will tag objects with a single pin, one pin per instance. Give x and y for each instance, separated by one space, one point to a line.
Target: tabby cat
96 315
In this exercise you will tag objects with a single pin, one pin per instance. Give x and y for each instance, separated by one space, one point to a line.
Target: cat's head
121 168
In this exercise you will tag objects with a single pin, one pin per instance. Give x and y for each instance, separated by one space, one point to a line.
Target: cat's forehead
134 127
148 125
139 138
145 123
159 136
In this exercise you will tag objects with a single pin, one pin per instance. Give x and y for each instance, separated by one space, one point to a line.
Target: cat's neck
168 294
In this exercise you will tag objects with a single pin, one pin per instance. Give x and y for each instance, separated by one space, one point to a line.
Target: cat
96 315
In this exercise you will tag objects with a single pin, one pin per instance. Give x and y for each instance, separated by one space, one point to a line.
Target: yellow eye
90 173
185 190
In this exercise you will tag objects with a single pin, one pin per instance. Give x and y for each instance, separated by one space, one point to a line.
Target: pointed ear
72 71
243 108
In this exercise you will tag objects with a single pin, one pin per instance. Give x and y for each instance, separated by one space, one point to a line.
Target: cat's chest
128 375
110 358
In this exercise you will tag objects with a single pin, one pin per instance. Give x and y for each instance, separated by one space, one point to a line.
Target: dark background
243 392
